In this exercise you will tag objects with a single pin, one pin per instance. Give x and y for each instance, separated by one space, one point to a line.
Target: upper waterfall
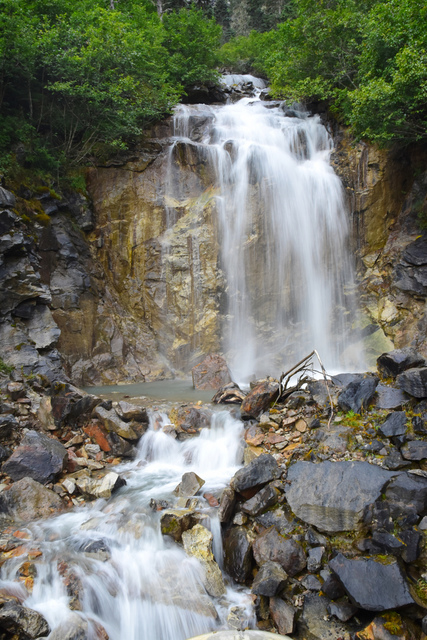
283 233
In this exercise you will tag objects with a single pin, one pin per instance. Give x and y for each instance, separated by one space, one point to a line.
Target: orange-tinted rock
259 399
99 435
211 373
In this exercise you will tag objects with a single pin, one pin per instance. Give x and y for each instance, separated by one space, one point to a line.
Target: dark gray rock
332 587
37 457
412 541
397 361
261 501
414 382
26 623
8 220
311 583
333 496
314 560
390 398
315 623
227 504
358 395
394 424
258 472
238 558
407 493
270 545
342 610
414 450
4 453
283 616
387 541
28 500
8 423
372 585
395 461
269 580
7 199
416 252
277 519
419 425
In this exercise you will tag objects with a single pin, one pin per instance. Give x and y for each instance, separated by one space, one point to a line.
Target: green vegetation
366 59
5 368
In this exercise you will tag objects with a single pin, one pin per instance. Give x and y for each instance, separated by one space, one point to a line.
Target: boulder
407 491
238 558
227 504
73 628
229 393
211 373
112 422
372 585
269 580
198 543
22 622
414 450
259 471
127 412
270 545
190 484
261 501
29 500
38 457
100 487
260 398
174 522
391 364
333 496
414 382
394 424
390 398
283 616
7 199
358 395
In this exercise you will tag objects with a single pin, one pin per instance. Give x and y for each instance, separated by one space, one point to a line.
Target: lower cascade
128 579
283 231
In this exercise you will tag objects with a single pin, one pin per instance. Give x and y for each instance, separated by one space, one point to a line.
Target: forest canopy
80 78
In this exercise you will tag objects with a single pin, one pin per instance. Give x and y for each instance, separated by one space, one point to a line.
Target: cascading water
136 583
283 231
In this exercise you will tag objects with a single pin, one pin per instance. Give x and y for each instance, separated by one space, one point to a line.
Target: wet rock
112 422
238 558
358 395
127 412
29 500
394 424
270 545
390 398
190 419
99 435
174 522
211 373
119 446
260 398
98 549
414 450
227 504
258 472
229 394
26 623
397 361
269 580
37 457
190 484
261 501
283 615
372 585
342 610
333 496
100 487
414 382
74 628
198 543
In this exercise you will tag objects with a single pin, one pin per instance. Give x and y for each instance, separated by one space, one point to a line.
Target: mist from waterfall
283 234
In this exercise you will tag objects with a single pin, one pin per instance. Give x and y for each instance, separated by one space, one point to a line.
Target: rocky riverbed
325 523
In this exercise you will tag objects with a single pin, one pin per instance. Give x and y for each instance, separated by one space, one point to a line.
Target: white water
284 234
148 589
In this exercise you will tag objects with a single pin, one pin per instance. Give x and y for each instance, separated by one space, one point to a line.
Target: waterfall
283 232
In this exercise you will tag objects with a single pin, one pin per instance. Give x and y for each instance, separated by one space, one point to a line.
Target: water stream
283 232
136 583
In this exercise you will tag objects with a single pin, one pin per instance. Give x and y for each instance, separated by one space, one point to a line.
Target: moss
393 623
5 368
421 589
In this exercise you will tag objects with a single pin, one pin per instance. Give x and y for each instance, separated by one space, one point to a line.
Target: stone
226 505
37 457
332 587
414 450
333 496
174 522
414 382
97 549
100 487
127 412
198 543
99 435
261 501
112 422
311 583
211 373
407 491
7 199
7 221
395 461
358 395
314 559
270 545
390 398
394 424
283 616
238 558
42 328
26 623
342 610
190 484
261 470
269 580
397 361
315 623
28 500
8 424
73 628
229 394
386 541
412 541
372 585
260 398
